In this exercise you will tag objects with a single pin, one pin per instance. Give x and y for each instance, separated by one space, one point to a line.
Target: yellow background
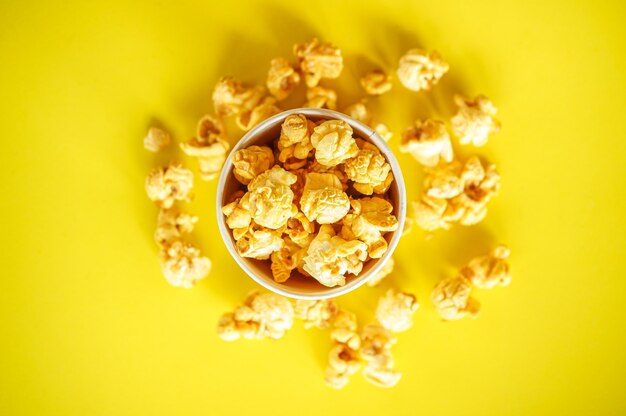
90 327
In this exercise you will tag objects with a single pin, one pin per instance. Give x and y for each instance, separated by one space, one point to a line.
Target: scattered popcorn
264 109
433 213
376 82
333 142
474 121
230 97
261 316
489 271
315 313
368 169
452 300
182 264
343 358
251 162
209 147
270 198
320 97
371 217
382 273
156 140
282 78
318 60
428 142
420 70
376 343
383 131
359 112
170 183
395 310
323 199
171 225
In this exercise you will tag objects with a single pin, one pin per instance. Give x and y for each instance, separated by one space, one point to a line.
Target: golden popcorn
376 82
428 142
359 112
318 60
395 310
261 316
315 313
282 78
230 97
252 161
321 97
171 225
323 199
295 140
156 139
434 213
383 131
209 147
489 271
168 184
376 343
266 108
270 198
237 215
300 230
333 142
258 242
385 271
285 260
329 257
480 185
368 169
183 265
344 357
474 121
371 217
420 70
452 300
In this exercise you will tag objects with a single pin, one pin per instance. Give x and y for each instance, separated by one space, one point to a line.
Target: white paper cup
298 286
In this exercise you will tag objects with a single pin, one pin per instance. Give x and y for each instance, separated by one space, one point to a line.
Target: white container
298 286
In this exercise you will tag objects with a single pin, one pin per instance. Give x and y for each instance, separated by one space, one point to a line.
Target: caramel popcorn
266 108
343 358
382 273
183 265
209 147
428 142
156 139
261 316
282 78
300 230
359 112
171 225
295 139
315 313
489 271
376 343
170 183
420 70
474 121
323 199
383 131
231 97
452 300
368 169
329 257
321 97
286 259
318 60
371 217
270 198
333 142
251 162
376 82
395 310
237 215
258 242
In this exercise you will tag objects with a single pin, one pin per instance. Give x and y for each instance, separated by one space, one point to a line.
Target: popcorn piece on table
264 109
333 142
295 138
343 358
360 112
183 265
288 258
316 313
376 82
395 310
383 131
321 97
434 213
167 184
323 199
251 162
371 217
318 60
376 343
231 97
261 316
489 271
171 225
282 78
420 70
452 300
368 169
428 142
385 271
156 139
209 147
474 121
329 257
480 186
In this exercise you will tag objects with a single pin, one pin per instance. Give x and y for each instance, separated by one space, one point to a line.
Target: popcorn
237 215
395 310
420 70
258 242
428 142
251 162
182 264
282 78
368 169
474 121
318 60
333 142
209 147
376 343
295 139
323 199
156 139
315 313
230 97
434 213
171 225
371 217
170 183
383 131
329 257
270 198
264 109
320 97
359 112
382 273
261 316
452 300
376 82
489 271
300 230
343 358
285 260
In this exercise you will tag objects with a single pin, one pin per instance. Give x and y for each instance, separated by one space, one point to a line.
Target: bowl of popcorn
311 203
